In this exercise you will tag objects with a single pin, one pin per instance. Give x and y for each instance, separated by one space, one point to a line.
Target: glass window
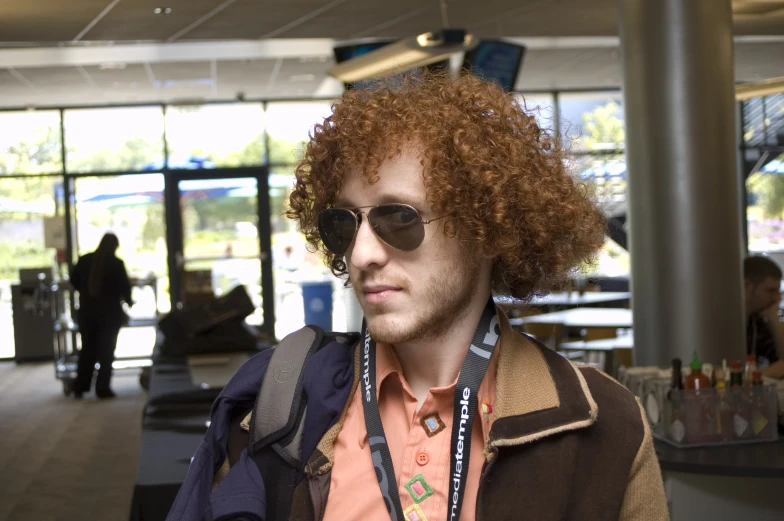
765 207
209 136
114 139
542 108
611 261
291 260
753 122
130 206
592 120
30 142
774 120
25 203
289 124
606 175
220 220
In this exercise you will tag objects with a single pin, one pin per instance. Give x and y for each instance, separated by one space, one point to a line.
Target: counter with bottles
717 440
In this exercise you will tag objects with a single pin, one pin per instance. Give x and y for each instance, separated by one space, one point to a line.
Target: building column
684 210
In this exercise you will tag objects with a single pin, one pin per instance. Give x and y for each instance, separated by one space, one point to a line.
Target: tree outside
603 131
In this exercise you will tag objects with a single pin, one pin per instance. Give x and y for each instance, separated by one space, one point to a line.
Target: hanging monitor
496 60
347 52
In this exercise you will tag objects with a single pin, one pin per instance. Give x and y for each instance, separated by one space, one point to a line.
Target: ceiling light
405 54
759 88
756 7
313 59
112 66
162 10
297 78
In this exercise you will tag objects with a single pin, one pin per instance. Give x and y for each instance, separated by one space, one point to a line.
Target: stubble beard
443 301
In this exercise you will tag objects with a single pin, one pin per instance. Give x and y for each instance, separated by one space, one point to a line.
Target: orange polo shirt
419 443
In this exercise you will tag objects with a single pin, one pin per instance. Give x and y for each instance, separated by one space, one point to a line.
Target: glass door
219 238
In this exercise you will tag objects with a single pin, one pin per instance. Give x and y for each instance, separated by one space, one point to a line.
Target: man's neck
436 362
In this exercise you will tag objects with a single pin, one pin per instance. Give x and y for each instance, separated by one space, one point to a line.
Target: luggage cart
64 336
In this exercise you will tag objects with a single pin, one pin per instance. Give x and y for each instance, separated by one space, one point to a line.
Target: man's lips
376 294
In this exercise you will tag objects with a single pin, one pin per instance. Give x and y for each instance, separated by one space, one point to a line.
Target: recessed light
312 59
162 10
112 66
299 78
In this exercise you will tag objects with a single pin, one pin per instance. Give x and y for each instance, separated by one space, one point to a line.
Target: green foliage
769 192
132 155
284 151
36 156
603 128
22 254
153 227
223 212
252 154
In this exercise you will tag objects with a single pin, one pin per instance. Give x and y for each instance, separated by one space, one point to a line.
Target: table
606 344
582 318
733 482
600 352
163 464
175 420
192 383
215 370
567 299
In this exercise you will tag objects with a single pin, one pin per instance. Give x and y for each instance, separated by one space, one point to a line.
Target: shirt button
422 459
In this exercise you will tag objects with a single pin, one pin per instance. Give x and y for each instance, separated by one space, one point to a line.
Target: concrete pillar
683 185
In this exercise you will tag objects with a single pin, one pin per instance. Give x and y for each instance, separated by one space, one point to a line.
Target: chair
598 358
623 357
598 333
547 333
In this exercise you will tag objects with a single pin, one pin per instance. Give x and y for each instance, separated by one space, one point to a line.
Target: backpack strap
278 417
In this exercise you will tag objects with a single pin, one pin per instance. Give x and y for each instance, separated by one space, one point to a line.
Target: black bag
278 416
190 321
228 337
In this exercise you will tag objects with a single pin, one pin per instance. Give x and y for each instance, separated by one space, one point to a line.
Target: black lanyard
471 375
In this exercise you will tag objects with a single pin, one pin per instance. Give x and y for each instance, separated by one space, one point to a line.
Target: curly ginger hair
499 176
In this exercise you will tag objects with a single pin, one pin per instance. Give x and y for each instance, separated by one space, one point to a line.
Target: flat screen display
497 61
346 52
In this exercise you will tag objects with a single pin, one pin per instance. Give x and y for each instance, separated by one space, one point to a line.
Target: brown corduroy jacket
567 443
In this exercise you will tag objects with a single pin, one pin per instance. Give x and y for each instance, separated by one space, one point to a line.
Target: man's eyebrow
343 203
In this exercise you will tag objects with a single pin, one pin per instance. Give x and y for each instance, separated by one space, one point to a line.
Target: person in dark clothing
764 330
102 283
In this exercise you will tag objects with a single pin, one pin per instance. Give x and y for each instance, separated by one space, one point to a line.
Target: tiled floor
66 460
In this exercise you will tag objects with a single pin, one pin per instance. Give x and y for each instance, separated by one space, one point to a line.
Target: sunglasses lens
337 227
397 225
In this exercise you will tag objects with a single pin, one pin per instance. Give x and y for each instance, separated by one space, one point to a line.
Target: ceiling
53 21
120 51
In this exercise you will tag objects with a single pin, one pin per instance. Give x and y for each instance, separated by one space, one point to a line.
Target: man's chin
387 328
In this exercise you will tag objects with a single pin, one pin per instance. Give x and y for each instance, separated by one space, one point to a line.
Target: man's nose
368 250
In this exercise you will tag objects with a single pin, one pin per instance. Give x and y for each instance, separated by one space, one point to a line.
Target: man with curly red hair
427 197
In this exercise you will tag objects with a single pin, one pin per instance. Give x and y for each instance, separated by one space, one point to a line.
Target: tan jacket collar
538 393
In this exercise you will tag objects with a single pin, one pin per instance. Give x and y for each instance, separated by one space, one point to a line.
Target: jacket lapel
538 392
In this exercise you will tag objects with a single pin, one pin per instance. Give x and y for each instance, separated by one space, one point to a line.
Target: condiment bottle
736 374
748 370
697 379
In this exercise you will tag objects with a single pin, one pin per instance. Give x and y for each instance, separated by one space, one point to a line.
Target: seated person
764 330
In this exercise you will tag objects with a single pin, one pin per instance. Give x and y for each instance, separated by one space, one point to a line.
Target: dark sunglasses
399 226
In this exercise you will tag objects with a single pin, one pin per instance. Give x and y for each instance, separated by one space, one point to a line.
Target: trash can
317 299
